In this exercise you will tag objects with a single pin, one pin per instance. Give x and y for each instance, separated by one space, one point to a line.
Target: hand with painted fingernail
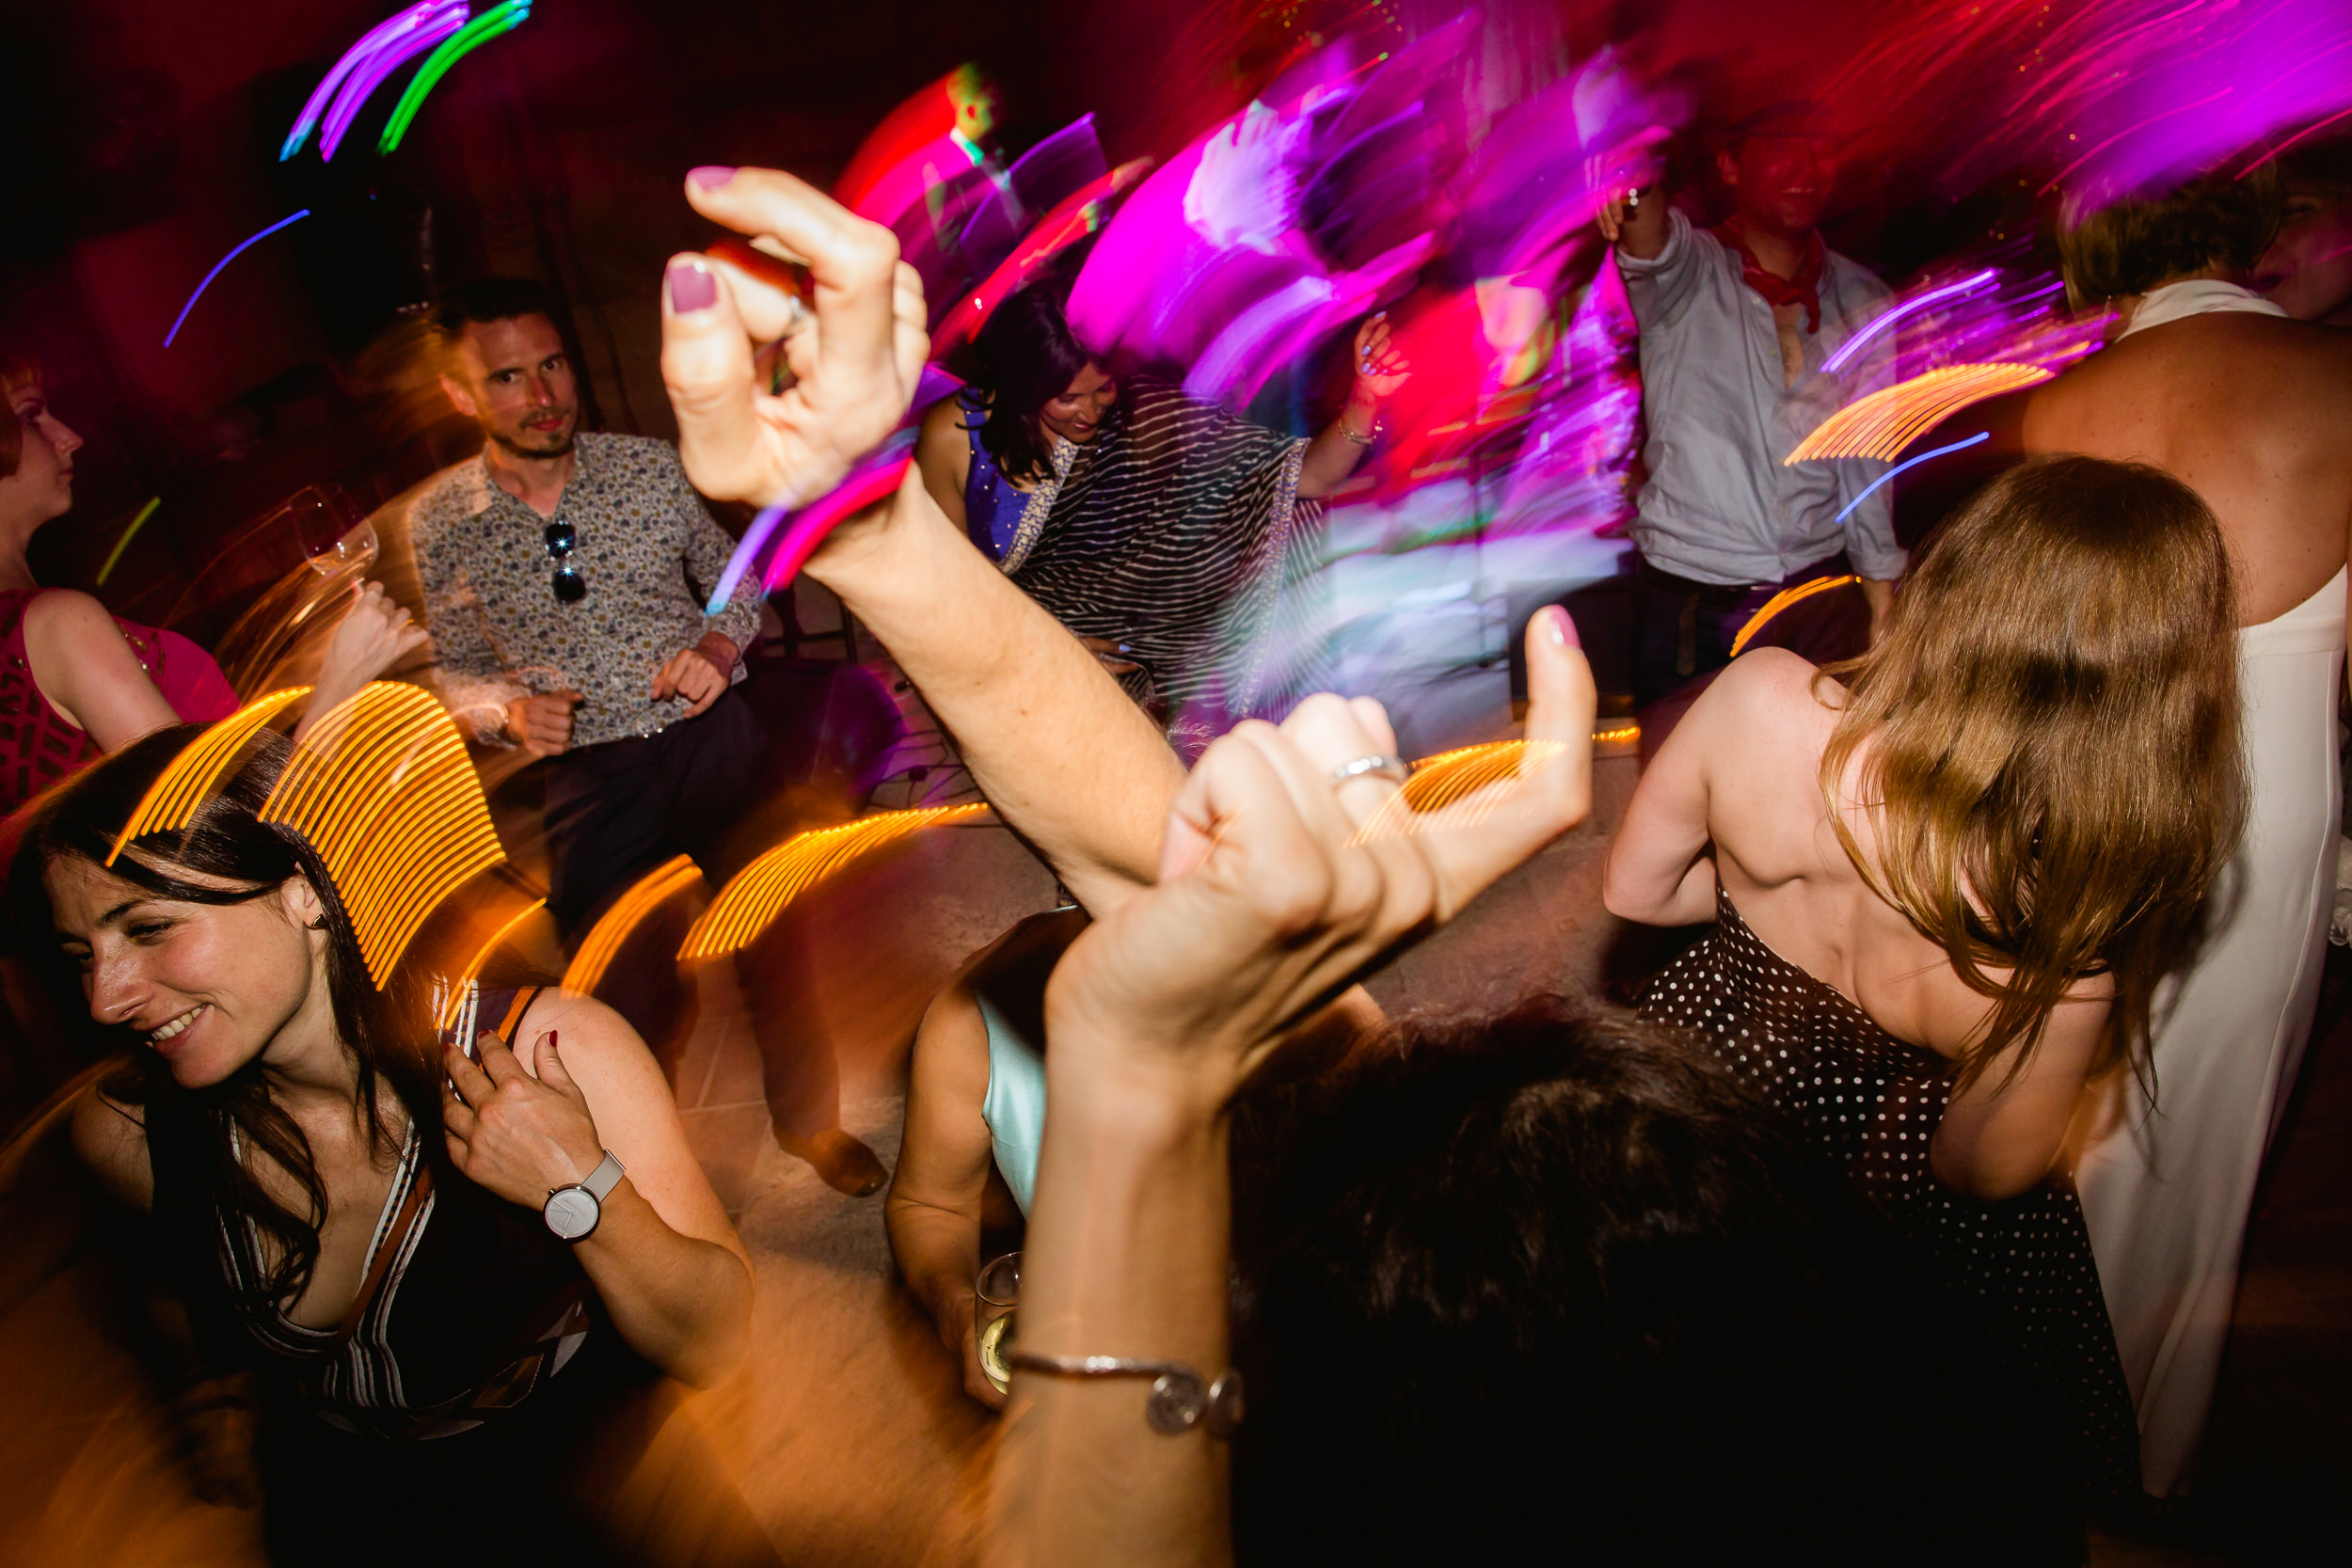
518 1135
855 349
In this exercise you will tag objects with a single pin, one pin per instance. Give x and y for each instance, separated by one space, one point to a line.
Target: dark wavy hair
1559 1269
1028 357
191 1133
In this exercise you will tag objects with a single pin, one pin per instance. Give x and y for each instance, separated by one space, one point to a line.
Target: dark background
145 139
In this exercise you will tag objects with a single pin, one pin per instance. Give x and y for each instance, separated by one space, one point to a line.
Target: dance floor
848 1436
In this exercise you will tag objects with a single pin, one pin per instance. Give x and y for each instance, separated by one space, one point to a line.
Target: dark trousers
617 809
1685 629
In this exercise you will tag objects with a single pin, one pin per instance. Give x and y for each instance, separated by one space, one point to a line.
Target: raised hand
1277 885
1381 368
855 365
375 634
515 1135
1624 183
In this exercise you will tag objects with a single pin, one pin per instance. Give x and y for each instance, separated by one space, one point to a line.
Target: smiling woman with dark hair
489 1234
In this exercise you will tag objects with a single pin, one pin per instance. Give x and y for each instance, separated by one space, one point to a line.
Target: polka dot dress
1872 1103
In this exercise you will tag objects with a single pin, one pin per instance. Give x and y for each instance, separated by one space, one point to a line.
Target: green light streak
489 25
144 511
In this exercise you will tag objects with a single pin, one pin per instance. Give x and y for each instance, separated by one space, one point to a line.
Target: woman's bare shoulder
110 1140
942 434
68 616
1768 698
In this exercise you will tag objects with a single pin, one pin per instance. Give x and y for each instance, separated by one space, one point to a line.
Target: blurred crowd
1941 657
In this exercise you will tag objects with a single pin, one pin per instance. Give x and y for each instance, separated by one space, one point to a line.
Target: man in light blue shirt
1736 325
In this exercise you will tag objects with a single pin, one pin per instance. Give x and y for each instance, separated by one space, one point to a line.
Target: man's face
1782 182
514 378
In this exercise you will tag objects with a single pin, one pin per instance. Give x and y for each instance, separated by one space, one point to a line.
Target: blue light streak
241 249
1911 463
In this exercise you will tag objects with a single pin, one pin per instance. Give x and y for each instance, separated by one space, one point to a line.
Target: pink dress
38 746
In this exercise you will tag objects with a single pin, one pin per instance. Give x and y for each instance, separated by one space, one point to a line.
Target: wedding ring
1392 767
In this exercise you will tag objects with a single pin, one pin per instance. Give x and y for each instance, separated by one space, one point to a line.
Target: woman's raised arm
1058 750
663 1256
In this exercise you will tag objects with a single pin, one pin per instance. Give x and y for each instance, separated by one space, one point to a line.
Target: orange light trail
1451 777
758 894
171 801
383 790
605 938
1781 601
1887 421
481 956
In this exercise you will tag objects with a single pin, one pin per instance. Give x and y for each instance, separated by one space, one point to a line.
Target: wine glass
1000 1291
334 532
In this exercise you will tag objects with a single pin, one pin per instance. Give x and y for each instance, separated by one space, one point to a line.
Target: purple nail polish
710 177
692 288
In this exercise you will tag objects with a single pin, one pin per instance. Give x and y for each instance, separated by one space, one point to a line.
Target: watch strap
606 1176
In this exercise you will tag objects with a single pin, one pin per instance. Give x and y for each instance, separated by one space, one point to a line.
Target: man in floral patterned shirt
566 576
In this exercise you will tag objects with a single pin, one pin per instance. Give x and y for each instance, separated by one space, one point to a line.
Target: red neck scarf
1805 288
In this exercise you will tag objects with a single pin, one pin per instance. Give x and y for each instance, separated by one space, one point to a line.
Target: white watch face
572 1213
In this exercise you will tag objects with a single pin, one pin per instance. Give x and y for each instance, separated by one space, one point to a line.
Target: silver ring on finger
1392 768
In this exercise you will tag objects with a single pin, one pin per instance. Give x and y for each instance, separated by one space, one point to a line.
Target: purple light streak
376 39
1909 307
368 73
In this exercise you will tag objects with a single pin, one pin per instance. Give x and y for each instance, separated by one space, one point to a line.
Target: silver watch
573 1211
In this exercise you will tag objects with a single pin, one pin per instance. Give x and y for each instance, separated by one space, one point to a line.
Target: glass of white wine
334 532
1000 1291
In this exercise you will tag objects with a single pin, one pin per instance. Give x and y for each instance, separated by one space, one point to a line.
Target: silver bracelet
1360 440
1179 1400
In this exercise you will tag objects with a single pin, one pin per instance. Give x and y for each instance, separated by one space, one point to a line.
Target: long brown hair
2053 760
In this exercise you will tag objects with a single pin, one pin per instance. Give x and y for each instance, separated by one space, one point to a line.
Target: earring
318 925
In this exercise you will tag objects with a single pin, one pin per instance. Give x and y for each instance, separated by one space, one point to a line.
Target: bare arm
1333 455
1058 750
1997 1138
943 452
89 673
933 1213
663 1258
110 1141
1270 901
1661 869
1881 597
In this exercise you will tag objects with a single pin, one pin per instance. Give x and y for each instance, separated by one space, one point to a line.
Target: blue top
1014 1107
992 507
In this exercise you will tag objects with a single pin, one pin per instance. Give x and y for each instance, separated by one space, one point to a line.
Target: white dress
2166 1193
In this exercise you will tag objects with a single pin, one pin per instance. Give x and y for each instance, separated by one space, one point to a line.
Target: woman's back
2250 412
1759 732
